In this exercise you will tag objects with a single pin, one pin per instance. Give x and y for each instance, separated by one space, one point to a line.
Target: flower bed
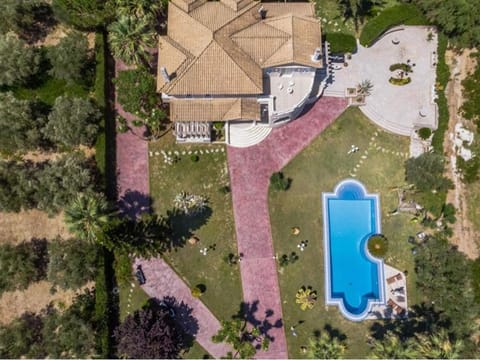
400 82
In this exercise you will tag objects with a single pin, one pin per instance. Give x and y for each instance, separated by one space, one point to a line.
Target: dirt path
464 236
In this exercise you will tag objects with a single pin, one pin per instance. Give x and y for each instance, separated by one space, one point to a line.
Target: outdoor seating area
193 131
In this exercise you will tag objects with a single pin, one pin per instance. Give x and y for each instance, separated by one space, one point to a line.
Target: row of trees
48 186
68 264
25 126
53 333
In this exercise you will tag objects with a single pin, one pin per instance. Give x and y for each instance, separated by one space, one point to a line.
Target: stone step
391 126
242 136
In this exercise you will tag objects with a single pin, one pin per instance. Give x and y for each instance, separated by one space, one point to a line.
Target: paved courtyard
250 170
399 109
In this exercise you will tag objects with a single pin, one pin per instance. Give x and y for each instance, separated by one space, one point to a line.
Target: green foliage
19 124
48 186
468 169
22 338
475 270
341 43
72 263
69 57
441 275
136 90
306 297
139 8
99 96
406 14
235 333
104 310
400 81
83 14
190 204
279 182
325 346
18 62
21 265
196 292
194 158
72 122
357 10
401 66
288 259
123 268
449 213
443 74
426 172
130 39
471 92
378 245
458 19
424 133
87 216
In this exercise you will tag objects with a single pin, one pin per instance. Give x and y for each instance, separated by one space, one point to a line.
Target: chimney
262 12
164 73
317 55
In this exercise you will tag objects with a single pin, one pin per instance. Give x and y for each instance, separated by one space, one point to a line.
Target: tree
306 298
71 263
22 338
235 333
19 125
130 39
279 182
426 172
391 347
471 93
73 121
69 57
325 347
439 346
18 63
190 204
357 9
365 87
149 334
84 14
88 216
140 8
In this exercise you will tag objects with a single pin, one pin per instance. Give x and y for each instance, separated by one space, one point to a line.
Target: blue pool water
353 278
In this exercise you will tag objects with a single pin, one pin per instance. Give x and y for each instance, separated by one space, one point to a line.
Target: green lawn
196 351
205 177
318 169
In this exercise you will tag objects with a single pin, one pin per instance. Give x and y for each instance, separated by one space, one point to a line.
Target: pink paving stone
162 281
250 170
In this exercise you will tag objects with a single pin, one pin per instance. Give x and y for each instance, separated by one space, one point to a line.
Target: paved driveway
395 108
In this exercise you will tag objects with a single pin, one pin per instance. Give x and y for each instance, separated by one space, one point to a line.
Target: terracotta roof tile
213 14
171 56
224 109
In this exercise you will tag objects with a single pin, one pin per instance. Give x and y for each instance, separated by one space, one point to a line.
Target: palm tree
306 297
130 39
139 8
357 9
325 347
391 347
439 346
87 217
365 87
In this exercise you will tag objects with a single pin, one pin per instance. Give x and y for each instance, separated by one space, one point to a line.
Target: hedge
403 14
99 93
341 43
443 74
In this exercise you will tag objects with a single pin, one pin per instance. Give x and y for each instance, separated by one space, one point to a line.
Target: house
237 61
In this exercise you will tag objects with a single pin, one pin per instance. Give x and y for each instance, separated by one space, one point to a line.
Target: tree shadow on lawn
264 323
334 333
423 318
184 225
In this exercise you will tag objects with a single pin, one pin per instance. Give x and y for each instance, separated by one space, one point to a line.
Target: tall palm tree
138 8
87 216
391 347
365 87
439 346
130 39
325 347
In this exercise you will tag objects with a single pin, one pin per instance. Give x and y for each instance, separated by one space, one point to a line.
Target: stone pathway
250 170
162 281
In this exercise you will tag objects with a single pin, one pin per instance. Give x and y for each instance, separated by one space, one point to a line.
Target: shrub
72 263
190 204
73 121
400 82
196 292
341 43
402 14
69 57
378 245
278 182
469 169
123 267
426 172
83 14
136 90
401 66
424 133
449 213
194 158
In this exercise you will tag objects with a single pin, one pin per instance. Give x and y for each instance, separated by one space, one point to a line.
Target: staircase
379 120
243 135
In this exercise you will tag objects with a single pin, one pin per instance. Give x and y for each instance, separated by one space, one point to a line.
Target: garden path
162 281
250 171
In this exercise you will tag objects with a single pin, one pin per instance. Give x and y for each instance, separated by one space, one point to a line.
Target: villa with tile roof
237 61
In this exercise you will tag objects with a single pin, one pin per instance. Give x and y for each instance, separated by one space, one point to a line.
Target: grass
204 177
135 296
196 351
331 17
317 169
402 14
341 43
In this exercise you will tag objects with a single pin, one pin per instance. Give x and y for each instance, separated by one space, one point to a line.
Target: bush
225 189
123 268
341 43
196 292
469 169
424 133
449 213
278 182
136 90
84 14
426 172
401 66
72 122
378 245
99 96
18 62
69 57
22 338
72 263
402 14
400 82
194 158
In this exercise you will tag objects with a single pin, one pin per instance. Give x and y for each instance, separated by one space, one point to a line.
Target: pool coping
329 300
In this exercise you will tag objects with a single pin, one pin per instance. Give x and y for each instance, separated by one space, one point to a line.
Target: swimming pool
354 280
